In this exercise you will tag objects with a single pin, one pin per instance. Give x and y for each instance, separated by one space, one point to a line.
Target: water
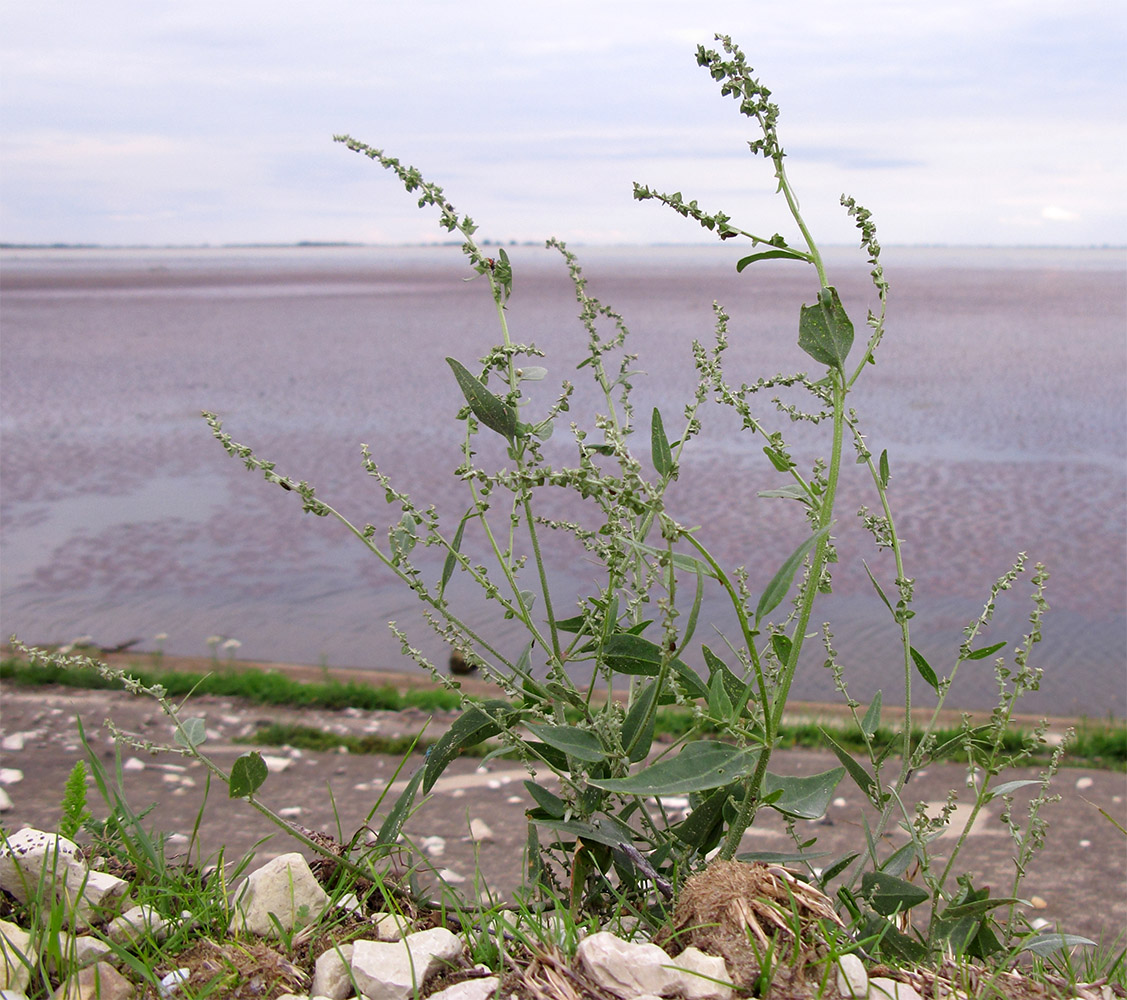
999 395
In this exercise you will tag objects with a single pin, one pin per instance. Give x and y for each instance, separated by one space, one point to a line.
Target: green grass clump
259 686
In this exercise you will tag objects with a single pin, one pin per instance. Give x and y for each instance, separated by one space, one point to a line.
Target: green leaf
492 411
780 460
533 373
631 654
247 775
576 624
888 895
893 942
469 729
698 767
636 741
393 823
768 255
735 687
577 743
552 804
659 447
977 907
194 732
857 772
825 332
873 581
871 722
780 584
455 546
985 651
1009 786
703 827
599 830
830 872
782 646
882 469
719 704
790 492
1046 944
804 798
924 669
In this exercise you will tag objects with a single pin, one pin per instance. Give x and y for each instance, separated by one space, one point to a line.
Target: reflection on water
998 393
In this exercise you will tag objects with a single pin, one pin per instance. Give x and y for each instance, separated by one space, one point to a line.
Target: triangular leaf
577 743
888 895
871 722
770 254
194 732
805 798
825 332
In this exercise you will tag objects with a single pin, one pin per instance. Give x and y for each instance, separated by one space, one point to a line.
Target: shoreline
797 711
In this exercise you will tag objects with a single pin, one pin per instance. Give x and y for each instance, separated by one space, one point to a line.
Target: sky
130 122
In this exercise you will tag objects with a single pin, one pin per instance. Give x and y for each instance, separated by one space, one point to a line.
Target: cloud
1054 213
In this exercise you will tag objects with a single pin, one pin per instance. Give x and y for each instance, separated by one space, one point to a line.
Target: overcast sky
134 122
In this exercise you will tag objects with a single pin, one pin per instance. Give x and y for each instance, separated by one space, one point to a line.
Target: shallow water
999 394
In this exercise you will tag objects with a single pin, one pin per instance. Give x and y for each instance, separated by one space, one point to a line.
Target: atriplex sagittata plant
637 631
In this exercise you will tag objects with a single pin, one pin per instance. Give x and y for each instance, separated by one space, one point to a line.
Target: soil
1077 883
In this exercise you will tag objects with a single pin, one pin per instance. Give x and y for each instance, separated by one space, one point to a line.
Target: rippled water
999 395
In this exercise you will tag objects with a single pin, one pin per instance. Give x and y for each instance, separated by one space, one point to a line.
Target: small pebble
1085 844
839 802
1039 903
1084 782
10 776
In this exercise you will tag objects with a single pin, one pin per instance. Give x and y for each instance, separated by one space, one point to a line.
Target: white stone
16 954
15 741
133 764
625 968
88 949
881 988
331 973
469 989
5 801
100 981
170 984
284 887
140 922
395 970
480 832
10 775
101 893
699 982
275 765
450 876
390 926
852 979
434 846
31 856
290 812
1083 783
